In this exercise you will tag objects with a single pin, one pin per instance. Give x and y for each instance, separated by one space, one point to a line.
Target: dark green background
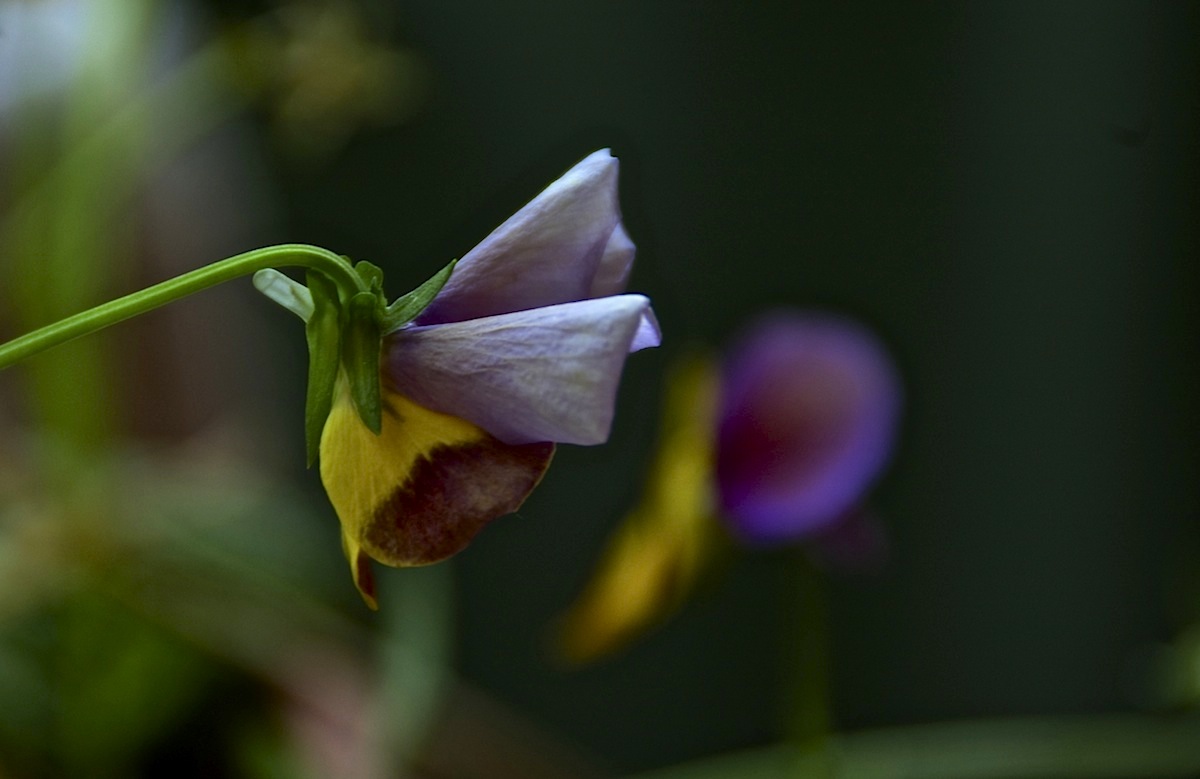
1006 191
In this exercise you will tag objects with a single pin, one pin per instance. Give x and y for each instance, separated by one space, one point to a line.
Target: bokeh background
1007 192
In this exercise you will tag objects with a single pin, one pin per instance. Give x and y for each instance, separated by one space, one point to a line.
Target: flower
522 348
780 442
807 420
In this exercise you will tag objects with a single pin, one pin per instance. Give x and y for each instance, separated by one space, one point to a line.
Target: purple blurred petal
566 244
547 374
808 419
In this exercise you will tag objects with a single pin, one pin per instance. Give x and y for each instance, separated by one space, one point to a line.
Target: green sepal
371 274
406 307
361 347
324 332
285 291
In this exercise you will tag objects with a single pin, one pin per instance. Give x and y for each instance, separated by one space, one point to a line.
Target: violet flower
779 443
521 349
807 419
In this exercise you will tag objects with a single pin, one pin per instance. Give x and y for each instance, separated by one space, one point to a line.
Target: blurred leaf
415 656
26 695
1083 747
261 752
326 72
123 683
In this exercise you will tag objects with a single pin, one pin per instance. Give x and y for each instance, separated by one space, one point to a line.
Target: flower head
807 419
779 442
520 349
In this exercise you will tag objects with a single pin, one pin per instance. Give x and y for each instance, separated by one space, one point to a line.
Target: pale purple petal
648 334
615 264
808 417
546 374
554 250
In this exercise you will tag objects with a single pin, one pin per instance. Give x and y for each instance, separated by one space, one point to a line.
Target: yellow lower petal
661 547
419 491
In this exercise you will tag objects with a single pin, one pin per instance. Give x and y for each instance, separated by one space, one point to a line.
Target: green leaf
415 659
406 307
123 684
285 291
323 330
360 357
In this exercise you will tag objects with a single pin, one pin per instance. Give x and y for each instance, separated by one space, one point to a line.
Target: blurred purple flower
807 420
781 440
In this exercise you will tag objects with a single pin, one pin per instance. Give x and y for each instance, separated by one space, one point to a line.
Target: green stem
811 717
810 720
299 255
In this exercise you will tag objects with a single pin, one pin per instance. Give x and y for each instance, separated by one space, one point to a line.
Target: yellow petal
419 491
656 555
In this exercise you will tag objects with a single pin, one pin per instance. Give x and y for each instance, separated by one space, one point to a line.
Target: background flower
809 409
779 443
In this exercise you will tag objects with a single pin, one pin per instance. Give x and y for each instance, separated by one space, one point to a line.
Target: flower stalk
332 266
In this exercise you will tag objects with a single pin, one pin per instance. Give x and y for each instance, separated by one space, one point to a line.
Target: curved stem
93 319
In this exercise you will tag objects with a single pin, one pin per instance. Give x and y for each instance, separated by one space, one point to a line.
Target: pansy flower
809 405
777 444
521 348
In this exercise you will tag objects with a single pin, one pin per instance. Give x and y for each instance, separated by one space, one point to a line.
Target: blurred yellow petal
657 554
419 491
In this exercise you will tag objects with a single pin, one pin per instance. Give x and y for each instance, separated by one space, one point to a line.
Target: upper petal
616 262
808 417
547 374
566 244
